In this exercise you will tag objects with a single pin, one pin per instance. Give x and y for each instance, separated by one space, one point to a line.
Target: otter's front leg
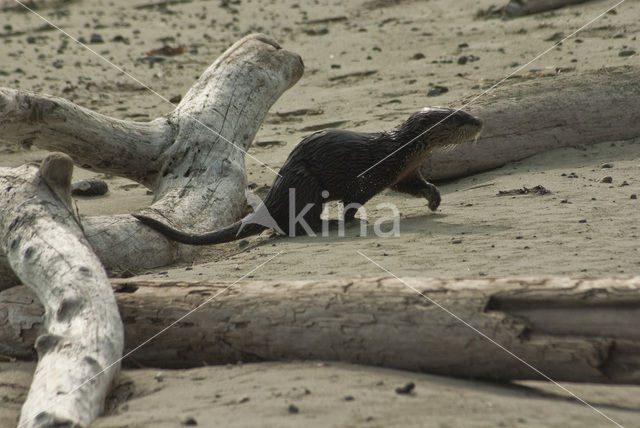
415 185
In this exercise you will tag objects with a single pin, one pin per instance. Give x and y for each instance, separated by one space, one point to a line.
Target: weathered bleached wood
526 7
83 334
193 159
94 141
536 115
569 329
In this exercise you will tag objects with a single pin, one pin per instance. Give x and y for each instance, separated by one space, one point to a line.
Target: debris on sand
92 187
406 389
167 51
537 190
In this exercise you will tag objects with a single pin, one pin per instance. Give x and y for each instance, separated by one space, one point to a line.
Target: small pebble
96 38
634 196
316 31
406 389
606 165
555 37
626 52
293 409
582 221
190 421
437 90
91 187
419 55
607 179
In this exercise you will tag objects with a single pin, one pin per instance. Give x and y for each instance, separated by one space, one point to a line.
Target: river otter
334 165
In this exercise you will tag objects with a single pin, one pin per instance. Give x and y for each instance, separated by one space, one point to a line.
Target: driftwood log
527 7
81 340
523 118
569 329
193 159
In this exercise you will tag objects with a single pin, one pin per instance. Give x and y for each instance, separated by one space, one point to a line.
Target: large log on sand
81 340
568 329
523 118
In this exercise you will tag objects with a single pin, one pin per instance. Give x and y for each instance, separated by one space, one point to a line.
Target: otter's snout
445 126
470 119
453 116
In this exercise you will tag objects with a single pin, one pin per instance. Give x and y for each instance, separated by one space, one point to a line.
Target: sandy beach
368 66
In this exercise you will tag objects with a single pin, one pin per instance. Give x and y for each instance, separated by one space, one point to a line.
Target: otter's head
440 127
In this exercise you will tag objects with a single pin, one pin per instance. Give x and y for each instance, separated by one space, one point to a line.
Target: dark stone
437 90
406 389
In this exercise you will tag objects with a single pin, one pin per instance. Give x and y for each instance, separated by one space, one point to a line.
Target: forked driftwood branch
523 118
193 159
82 334
569 329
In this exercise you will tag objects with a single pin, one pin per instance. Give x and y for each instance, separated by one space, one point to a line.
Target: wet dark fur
331 160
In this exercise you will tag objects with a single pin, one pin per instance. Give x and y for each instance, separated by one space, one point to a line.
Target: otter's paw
434 203
433 195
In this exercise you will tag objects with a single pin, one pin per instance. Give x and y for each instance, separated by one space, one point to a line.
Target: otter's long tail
237 230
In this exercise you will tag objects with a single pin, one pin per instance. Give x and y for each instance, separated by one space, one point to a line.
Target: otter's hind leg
303 216
415 185
353 202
